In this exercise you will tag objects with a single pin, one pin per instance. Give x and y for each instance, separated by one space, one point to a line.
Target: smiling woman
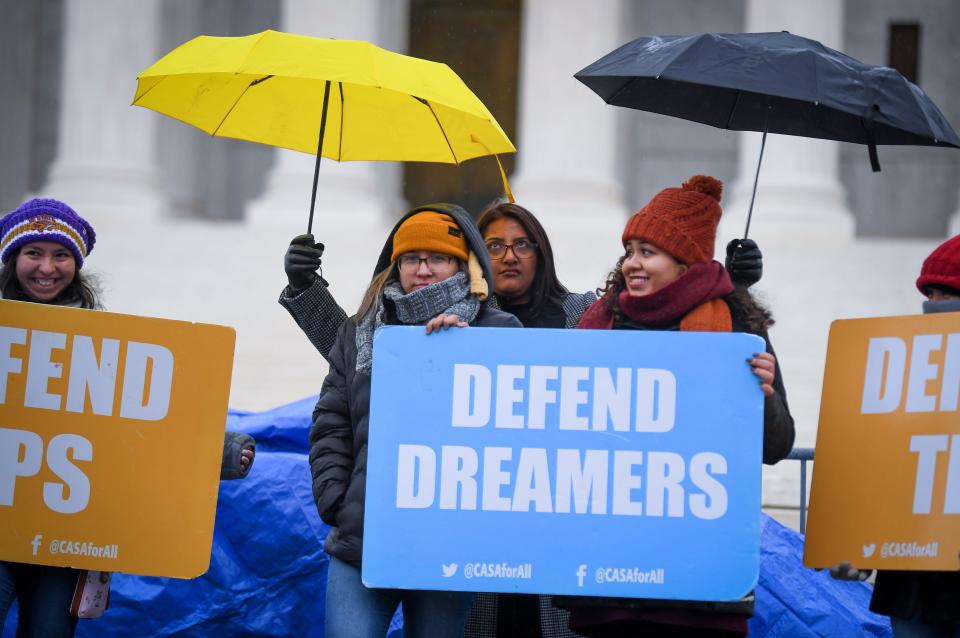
668 280
42 246
45 269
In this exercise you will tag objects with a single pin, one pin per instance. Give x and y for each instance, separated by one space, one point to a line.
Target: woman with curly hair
667 280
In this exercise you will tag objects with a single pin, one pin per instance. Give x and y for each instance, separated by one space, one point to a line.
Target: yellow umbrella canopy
283 89
268 88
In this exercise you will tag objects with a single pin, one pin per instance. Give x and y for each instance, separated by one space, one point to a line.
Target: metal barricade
804 455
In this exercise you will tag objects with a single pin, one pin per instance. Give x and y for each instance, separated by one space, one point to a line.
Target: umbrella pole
316 168
753 196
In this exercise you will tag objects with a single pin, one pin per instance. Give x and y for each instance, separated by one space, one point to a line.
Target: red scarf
695 299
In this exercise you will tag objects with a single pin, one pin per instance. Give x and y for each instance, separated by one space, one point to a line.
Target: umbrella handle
756 177
316 168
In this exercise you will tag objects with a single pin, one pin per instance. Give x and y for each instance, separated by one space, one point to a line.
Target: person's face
44 269
940 295
421 268
647 269
513 276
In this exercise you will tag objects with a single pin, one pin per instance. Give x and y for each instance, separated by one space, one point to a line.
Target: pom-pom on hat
682 221
430 231
45 220
942 267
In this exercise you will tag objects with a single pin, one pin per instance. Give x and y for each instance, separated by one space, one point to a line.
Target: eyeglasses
411 262
522 249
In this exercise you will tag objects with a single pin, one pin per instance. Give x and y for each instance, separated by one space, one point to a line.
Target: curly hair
614 284
756 317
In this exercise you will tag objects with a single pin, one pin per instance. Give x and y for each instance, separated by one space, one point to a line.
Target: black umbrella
769 82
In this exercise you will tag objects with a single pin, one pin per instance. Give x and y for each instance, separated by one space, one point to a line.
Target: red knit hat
682 221
942 267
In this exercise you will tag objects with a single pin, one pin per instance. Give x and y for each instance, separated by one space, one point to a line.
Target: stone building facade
193 227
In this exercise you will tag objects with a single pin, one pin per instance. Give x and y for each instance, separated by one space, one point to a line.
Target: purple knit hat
45 220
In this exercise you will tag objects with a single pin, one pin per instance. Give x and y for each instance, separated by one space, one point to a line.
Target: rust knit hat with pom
682 221
942 267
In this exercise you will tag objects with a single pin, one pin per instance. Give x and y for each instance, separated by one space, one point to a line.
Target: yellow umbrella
341 99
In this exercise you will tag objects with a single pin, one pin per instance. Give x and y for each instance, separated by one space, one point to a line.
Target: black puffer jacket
338 438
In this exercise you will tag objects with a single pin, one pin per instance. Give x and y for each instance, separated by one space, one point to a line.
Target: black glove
302 261
744 262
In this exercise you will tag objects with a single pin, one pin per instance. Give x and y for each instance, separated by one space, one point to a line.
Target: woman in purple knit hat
43 246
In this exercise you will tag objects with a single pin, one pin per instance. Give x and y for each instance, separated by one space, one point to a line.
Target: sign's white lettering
647 395
144 386
653 483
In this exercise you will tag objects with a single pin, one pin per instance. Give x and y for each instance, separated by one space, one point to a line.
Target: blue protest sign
578 462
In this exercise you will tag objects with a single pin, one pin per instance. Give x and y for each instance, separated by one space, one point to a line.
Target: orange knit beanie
682 221
430 231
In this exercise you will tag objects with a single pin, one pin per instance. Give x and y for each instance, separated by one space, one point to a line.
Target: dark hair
546 288
82 290
947 290
755 316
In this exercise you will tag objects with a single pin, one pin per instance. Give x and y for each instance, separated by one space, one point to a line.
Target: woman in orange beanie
433 271
667 280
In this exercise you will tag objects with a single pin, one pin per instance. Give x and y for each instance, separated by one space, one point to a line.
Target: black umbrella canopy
775 82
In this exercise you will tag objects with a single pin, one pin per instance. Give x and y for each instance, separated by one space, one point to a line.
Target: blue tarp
267 567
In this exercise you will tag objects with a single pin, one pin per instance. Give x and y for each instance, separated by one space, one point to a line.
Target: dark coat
338 438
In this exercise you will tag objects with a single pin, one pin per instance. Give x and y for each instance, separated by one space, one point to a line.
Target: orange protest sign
886 481
111 433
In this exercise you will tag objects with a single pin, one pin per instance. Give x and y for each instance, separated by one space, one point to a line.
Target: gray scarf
947 305
450 296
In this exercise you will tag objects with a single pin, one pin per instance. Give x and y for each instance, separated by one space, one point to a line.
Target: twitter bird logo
448 570
868 550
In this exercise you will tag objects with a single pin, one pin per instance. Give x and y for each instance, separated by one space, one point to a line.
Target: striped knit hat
682 221
45 220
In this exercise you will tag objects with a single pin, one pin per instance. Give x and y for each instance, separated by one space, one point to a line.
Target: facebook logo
581 573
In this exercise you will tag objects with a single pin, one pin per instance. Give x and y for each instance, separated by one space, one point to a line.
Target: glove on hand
231 466
744 262
302 261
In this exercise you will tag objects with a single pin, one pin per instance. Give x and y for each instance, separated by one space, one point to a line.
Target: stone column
105 159
567 172
812 269
954 227
350 195
799 187
356 201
